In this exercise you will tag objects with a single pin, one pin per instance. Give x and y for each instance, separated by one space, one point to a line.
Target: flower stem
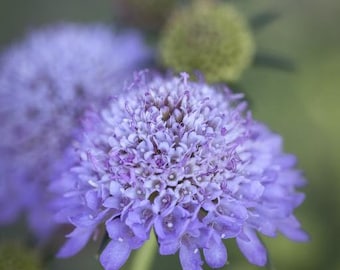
269 265
144 258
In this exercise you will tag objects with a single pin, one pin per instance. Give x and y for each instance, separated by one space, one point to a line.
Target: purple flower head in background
182 160
46 82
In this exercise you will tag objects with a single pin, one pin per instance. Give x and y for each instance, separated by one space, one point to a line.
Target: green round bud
14 256
149 15
208 36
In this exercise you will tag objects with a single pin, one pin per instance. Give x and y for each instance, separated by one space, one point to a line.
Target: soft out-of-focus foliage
14 256
302 106
149 15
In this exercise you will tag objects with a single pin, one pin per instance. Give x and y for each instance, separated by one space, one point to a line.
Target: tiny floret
184 161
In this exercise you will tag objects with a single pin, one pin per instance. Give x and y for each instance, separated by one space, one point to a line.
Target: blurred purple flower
46 83
185 160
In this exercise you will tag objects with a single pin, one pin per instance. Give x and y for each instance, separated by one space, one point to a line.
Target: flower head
185 160
46 82
210 37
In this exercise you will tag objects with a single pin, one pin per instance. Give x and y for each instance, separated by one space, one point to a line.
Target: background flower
189 162
210 37
46 82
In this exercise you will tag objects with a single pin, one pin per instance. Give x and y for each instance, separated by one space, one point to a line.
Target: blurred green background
303 106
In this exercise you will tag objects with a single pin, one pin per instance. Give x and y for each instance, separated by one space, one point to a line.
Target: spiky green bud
14 256
208 36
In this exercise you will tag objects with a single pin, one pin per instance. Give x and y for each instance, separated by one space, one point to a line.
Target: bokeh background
303 106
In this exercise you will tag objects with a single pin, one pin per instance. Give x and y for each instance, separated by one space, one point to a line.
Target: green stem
269 265
144 258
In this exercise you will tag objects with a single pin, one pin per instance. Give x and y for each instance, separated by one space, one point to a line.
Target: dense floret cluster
184 161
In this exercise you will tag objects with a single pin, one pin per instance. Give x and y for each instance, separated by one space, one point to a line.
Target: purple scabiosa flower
185 161
46 82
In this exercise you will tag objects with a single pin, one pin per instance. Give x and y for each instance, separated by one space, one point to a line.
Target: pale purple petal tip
253 249
115 255
216 254
78 238
190 257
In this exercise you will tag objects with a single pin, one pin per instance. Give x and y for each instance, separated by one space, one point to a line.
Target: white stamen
93 183
170 224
